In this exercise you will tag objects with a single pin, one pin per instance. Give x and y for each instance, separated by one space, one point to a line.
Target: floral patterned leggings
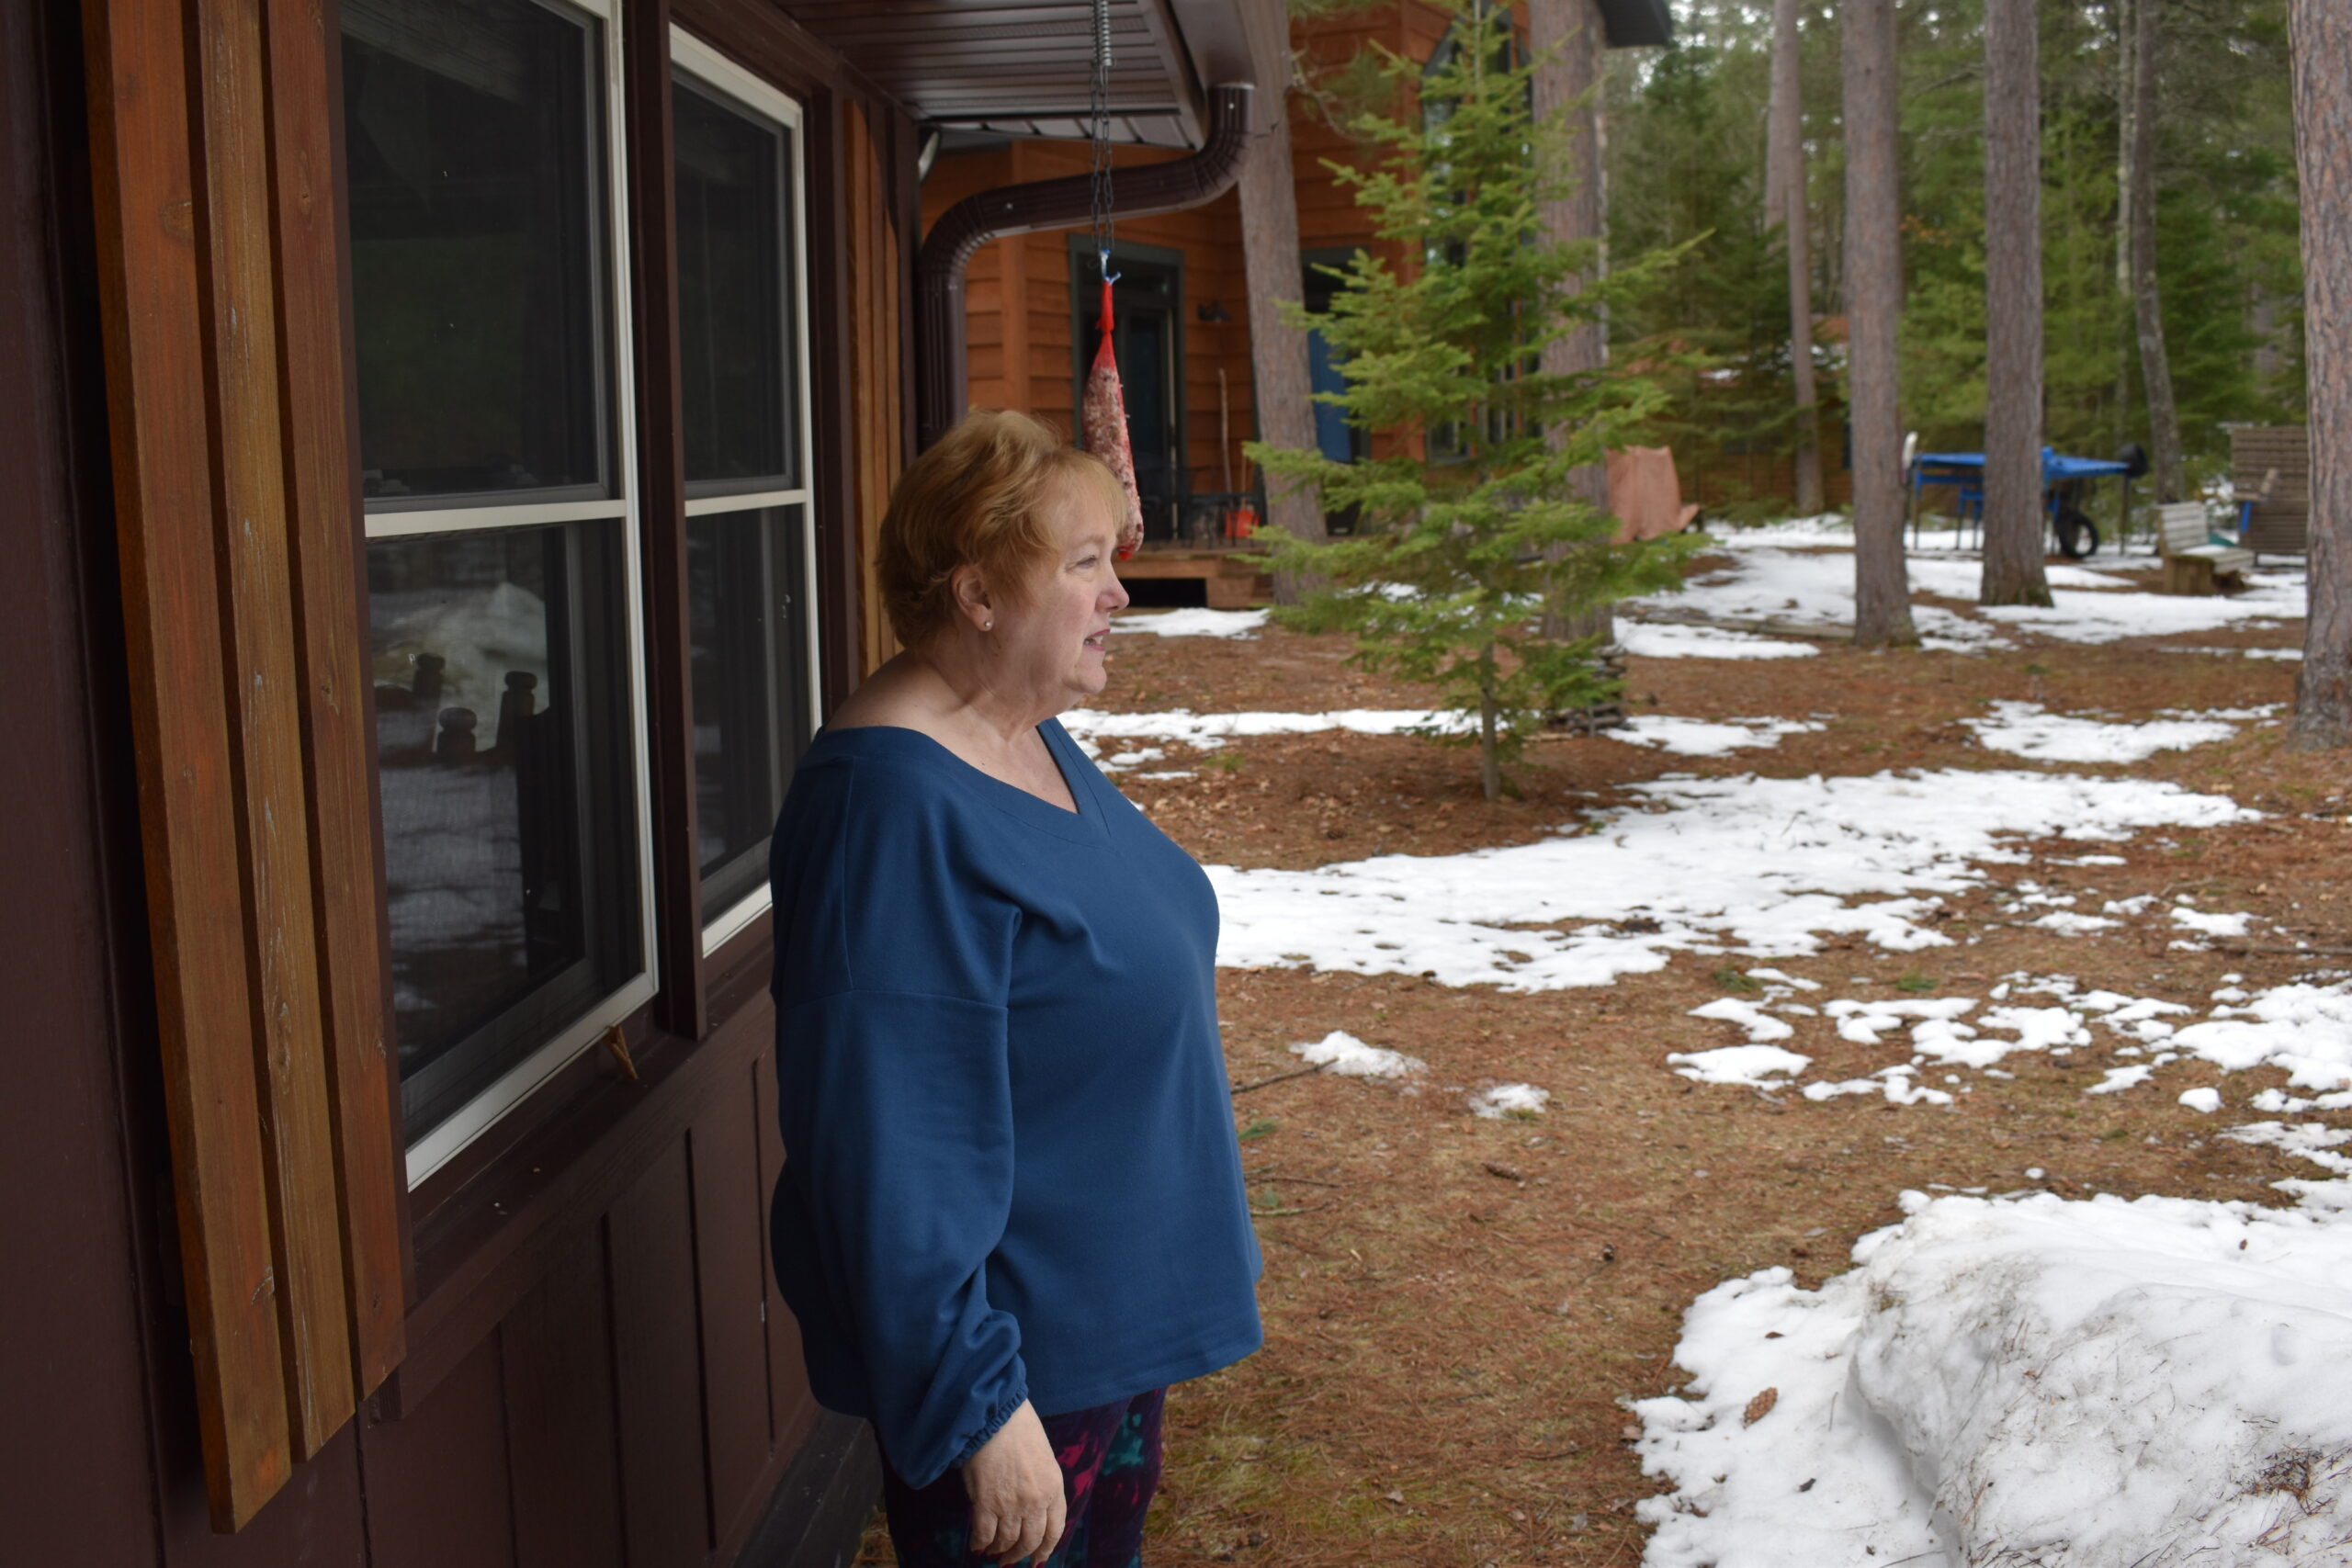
1110 1459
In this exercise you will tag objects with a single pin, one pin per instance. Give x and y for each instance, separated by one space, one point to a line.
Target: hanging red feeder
1106 417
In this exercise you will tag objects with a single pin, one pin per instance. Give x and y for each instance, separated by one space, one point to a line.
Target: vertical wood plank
156 395
305 119
561 1447
731 1232
240 321
439 1492
651 1278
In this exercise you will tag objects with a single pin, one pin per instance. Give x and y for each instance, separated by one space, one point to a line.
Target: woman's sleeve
903 1149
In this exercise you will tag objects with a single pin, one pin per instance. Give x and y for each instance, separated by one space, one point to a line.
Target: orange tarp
1645 496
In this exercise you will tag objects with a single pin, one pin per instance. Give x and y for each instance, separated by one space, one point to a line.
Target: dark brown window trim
487 1225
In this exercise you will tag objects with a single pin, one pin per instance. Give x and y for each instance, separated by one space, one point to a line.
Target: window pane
472 128
510 857
750 649
734 286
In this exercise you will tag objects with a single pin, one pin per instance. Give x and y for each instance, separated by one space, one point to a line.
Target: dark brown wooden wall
600 1370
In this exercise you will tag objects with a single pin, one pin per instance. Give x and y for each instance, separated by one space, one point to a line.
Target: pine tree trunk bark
2127 357
2013 520
1281 381
1786 203
1874 303
1567 40
2156 369
2322 31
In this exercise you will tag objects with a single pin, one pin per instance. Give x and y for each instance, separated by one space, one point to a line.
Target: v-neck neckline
1082 820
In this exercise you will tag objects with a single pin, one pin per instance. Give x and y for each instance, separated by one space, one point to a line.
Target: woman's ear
973 600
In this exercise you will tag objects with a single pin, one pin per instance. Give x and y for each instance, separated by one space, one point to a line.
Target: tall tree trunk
1566 38
2127 356
2013 573
1874 303
1785 203
1281 387
2155 370
2322 31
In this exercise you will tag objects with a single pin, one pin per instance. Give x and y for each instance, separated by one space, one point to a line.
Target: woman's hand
1018 1509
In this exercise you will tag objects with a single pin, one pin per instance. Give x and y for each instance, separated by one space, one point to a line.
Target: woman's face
1051 641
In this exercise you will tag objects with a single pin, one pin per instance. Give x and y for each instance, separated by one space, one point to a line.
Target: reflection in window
751 692
472 130
734 287
500 704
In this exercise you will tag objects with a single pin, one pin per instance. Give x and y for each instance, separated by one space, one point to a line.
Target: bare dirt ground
1454 1306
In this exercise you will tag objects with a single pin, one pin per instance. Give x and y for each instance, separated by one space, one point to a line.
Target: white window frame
726 78
511 1089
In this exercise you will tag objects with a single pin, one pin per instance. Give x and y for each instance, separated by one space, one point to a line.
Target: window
743 403
488 286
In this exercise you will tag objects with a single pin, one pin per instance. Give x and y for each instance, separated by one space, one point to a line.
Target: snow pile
1661 639
2027 729
1757 1065
1242 623
1766 865
1509 1099
1343 1053
1704 736
2095 1384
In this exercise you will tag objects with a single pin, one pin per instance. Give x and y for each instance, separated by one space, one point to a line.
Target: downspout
1049 204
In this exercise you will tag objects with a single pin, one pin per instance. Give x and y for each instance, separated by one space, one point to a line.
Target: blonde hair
977 498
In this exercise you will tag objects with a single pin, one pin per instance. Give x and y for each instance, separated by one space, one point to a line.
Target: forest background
1685 160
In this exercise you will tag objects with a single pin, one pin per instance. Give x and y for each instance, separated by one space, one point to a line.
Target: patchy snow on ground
1768 866
1519 1100
1207 731
2293 653
2089 1384
2031 730
1341 1053
1664 639
2110 617
1706 737
1194 622
1808 578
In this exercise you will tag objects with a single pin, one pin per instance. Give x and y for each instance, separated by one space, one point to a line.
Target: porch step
1234 580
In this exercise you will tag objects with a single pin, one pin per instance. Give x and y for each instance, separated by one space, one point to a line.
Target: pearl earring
987 625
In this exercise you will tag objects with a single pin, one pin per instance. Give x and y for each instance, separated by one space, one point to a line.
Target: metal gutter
939 366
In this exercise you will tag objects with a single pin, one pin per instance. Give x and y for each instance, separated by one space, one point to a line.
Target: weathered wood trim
305 121
238 281
157 398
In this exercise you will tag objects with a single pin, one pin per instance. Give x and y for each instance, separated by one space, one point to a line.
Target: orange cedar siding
1020 354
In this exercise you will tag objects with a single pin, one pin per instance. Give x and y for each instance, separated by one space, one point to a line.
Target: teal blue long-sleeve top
1011 1170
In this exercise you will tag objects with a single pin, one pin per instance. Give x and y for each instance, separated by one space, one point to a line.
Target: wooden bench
2194 565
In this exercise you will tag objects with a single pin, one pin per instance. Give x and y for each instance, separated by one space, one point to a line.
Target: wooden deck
1234 580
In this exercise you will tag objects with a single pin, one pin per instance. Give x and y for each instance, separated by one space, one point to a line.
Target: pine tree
1462 527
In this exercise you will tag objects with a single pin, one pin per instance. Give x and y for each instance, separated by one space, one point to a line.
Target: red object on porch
1105 422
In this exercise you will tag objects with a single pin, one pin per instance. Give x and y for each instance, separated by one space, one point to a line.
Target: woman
1012 1211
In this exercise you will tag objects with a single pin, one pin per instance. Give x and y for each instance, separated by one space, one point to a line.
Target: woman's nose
1118 598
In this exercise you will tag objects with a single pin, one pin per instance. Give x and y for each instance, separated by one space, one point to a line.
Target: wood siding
1020 316
599 1368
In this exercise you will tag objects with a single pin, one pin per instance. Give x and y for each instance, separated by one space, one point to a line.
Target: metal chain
1101 133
